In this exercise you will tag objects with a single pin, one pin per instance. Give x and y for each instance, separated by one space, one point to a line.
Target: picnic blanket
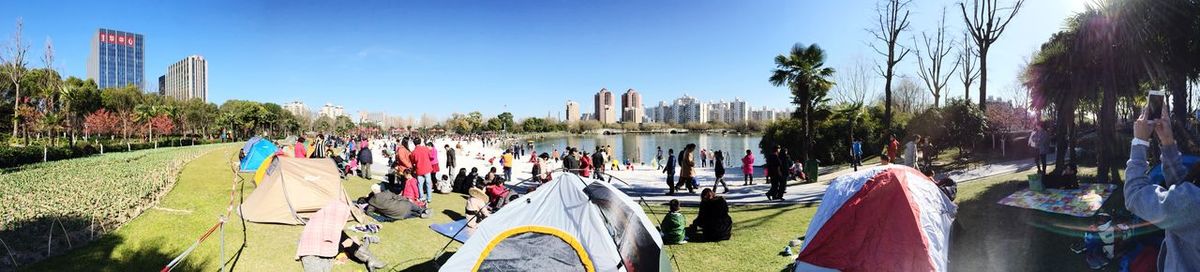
452 230
1082 202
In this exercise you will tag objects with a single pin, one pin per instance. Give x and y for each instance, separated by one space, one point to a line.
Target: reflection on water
643 147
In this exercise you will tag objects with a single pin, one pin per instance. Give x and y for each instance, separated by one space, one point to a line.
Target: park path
649 184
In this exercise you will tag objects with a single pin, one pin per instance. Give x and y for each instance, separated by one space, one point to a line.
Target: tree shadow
80 249
987 236
428 265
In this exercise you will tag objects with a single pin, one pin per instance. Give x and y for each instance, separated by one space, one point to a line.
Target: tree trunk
936 98
1063 120
983 51
1177 85
16 106
887 106
1107 132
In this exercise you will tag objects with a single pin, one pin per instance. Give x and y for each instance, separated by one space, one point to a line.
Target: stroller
1109 240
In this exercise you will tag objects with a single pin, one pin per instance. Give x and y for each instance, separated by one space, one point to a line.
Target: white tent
565 225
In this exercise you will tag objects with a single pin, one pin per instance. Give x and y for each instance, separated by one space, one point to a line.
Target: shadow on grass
34 249
988 236
427 265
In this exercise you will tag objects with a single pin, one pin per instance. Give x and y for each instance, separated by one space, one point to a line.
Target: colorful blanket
1082 202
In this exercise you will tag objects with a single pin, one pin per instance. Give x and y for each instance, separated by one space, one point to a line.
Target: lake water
642 147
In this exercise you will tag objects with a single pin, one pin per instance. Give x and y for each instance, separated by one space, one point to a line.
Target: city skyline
315 49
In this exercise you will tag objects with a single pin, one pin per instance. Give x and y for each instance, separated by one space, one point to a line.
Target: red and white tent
886 218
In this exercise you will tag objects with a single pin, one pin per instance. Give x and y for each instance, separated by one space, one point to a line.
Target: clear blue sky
438 57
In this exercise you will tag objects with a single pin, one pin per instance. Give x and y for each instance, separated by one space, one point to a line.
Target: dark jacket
773 165
365 156
571 163
670 168
714 219
387 203
450 156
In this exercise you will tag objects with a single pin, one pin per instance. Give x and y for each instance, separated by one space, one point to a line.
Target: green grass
993 237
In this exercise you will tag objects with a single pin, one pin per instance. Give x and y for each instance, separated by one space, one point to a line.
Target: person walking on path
420 158
658 159
1171 206
670 170
748 168
856 154
719 170
687 165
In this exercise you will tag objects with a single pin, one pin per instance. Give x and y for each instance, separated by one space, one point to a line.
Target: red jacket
585 162
403 159
420 157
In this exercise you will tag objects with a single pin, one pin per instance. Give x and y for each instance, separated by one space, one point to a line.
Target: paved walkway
646 183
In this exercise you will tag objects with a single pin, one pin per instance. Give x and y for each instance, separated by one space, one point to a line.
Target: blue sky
527 57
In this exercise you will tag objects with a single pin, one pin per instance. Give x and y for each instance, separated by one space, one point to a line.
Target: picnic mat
452 230
1082 202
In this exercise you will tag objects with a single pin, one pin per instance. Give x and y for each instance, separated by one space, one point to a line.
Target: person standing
774 175
703 157
403 162
450 159
748 168
597 161
893 149
687 165
1037 142
299 150
507 161
420 158
570 161
433 160
856 154
719 170
910 152
1171 206
365 159
585 165
670 170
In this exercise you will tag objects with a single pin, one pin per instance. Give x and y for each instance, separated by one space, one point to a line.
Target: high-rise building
188 79
690 110
738 112
162 85
572 111
332 111
117 59
297 108
587 116
605 107
631 107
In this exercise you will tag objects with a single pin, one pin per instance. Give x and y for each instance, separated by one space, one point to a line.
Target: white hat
376 188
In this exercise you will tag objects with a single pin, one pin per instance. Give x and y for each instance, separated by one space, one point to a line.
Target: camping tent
886 218
293 189
256 150
566 225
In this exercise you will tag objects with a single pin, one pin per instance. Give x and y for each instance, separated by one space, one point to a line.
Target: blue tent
256 150
1156 174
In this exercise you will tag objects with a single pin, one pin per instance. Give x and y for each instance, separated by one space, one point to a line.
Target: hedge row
19 156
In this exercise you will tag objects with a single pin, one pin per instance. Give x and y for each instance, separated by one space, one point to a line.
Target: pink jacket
323 232
300 151
748 165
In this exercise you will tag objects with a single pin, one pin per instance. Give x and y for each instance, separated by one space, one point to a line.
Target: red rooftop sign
127 40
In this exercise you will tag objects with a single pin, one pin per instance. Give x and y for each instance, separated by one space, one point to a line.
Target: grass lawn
994 237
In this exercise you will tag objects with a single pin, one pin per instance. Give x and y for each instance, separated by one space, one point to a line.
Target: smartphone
1154 106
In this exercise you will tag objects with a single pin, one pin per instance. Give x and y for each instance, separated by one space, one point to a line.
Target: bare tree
966 59
936 50
910 97
14 59
854 83
985 27
52 91
892 19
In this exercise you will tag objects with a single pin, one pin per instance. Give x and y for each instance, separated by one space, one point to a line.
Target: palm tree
803 71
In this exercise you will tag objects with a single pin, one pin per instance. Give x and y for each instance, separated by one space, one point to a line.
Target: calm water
642 147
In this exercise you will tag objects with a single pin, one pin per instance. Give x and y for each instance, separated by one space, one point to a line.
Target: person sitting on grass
461 183
712 223
672 225
1170 206
497 193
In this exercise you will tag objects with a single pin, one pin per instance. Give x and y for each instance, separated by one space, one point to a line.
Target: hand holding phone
1154 105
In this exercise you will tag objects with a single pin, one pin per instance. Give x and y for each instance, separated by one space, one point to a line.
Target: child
628 165
672 226
443 186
